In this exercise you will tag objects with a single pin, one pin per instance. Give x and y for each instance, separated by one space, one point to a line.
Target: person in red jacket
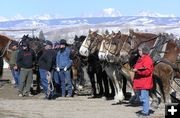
143 80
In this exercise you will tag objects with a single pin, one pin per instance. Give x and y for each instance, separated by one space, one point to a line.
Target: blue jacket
63 59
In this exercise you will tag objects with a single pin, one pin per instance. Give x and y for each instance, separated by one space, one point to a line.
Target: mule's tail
1 66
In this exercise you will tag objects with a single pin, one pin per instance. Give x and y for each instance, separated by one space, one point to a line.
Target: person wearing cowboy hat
63 64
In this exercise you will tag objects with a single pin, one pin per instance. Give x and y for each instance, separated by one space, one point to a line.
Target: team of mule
110 57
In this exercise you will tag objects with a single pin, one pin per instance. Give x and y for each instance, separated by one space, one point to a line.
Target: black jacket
46 60
25 58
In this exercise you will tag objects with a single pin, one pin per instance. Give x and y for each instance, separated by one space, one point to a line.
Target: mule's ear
119 32
76 38
90 31
96 31
107 32
131 31
113 33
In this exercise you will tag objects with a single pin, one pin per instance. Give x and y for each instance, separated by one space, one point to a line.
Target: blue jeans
15 74
144 97
65 75
44 81
56 77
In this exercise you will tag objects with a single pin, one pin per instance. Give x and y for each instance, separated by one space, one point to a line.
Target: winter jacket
46 60
13 57
63 58
55 51
25 59
143 77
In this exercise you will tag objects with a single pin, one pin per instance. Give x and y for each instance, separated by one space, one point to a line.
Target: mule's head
118 48
84 49
96 43
112 50
34 43
103 47
37 46
78 41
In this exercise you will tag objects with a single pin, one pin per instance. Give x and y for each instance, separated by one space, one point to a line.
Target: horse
78 63
94 65
93 49
164 52
163 71
5 50
113 69
34 43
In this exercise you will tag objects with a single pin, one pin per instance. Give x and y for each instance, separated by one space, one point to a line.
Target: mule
114 70
77 66
5 50
161 76
88 49
164 52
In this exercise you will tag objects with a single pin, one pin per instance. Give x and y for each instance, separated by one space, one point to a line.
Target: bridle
95 43
134 43
3 50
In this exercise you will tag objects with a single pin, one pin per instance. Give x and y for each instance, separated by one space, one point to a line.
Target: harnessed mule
115 71
163 72
89 49
77 66
5 50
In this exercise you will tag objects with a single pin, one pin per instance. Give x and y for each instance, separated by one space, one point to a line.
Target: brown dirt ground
12 106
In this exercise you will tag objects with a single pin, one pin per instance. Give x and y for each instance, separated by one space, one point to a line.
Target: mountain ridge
90 21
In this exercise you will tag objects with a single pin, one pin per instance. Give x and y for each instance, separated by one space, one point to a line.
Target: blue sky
75 8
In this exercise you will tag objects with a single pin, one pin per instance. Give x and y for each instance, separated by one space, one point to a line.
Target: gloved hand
57 69
65 69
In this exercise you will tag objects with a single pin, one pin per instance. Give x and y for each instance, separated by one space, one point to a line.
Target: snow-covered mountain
135 20
67 27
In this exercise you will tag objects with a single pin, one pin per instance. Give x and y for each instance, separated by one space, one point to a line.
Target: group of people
59 59
55 63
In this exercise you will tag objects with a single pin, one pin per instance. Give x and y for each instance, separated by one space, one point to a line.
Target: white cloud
154 14
111 12
108 12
